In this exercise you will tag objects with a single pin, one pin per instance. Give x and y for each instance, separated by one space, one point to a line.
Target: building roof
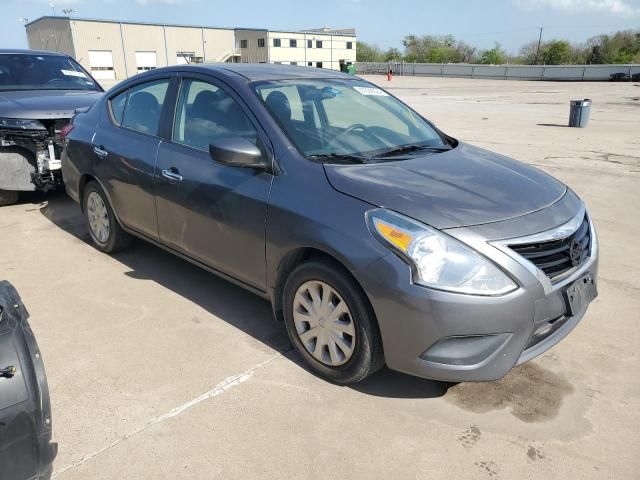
155 24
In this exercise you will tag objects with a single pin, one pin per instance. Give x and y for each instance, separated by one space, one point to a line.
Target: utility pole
538 49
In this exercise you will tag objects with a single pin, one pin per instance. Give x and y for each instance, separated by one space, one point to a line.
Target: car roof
263 71
18 51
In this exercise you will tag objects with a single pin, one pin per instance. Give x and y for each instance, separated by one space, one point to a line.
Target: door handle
100 151
172 174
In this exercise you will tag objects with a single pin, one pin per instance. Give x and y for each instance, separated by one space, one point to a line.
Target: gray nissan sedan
376 237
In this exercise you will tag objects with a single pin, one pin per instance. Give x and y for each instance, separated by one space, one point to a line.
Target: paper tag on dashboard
73 73
376 92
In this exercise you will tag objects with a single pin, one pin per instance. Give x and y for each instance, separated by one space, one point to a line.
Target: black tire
367 356
8 197
118 239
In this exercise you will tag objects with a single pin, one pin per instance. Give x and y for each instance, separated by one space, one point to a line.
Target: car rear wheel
106 233
8 197
331 323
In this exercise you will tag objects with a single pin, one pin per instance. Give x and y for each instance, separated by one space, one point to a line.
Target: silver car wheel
324 323
98 217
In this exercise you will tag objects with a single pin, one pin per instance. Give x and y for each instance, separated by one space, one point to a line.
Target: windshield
347 120
43 72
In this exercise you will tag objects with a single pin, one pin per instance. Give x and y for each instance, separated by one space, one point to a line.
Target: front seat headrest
278 104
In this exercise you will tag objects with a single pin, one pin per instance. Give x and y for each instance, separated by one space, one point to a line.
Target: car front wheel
331 323
106 233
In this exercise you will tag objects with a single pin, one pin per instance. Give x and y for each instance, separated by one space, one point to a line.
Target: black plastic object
580 113
26 450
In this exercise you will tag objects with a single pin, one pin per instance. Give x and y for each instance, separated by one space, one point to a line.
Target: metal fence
503 72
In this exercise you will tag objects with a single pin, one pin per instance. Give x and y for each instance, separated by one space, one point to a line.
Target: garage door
101 63
145 61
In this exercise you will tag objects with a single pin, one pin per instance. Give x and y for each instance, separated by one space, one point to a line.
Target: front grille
557 257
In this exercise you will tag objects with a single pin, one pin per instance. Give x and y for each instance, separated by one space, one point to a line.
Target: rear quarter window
117 105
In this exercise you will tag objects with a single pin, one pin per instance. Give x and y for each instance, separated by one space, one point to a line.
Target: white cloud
616 7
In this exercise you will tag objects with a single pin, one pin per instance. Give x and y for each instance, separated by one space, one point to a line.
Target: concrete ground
158 369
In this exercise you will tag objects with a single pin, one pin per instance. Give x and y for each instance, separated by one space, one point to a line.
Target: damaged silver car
39 93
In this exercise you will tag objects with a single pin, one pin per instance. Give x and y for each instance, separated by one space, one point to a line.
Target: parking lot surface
158 369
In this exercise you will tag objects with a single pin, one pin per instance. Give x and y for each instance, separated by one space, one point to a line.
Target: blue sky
383 22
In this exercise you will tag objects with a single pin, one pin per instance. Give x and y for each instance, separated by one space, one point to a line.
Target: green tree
368 53
556 52
392 55
621 47
495 56
437 49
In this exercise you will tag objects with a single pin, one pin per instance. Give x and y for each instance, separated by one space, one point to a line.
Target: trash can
579 113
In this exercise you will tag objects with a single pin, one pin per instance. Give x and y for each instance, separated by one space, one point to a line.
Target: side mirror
237 151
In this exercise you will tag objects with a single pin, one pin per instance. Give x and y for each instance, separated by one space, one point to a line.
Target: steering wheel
355 128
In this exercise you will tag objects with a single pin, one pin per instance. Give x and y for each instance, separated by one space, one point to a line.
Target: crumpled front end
30 152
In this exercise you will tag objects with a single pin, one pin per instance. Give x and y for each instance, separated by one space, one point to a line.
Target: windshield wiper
344 157
411 148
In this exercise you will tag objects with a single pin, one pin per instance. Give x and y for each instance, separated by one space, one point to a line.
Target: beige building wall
183 39
100 36
143 38
252 53
219 45
128 43
52 34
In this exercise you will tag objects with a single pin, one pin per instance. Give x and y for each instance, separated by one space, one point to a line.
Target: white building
323 48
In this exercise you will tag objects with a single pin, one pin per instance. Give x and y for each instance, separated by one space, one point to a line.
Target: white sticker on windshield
376 92
73 73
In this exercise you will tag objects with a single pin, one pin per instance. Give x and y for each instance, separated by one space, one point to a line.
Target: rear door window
144 106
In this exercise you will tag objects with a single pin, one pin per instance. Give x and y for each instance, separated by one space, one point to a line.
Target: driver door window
206 113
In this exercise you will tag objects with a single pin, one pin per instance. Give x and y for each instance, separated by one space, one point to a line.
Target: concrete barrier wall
506 72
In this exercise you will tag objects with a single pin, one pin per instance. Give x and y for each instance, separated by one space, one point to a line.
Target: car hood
44 104
462 187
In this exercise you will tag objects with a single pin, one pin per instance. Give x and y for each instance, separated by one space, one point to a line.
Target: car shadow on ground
236 306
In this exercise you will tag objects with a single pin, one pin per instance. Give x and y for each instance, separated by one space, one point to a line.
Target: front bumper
454 337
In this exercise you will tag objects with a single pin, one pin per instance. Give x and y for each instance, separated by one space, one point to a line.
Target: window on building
309 64
319 64
318 43
145 61
309 43
244 43
349 45
277 42
293 43
101 64
143 107
294 63
206 113
184 58
261 42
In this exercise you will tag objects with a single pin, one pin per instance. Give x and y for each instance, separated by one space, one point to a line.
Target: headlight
438 260
21 124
